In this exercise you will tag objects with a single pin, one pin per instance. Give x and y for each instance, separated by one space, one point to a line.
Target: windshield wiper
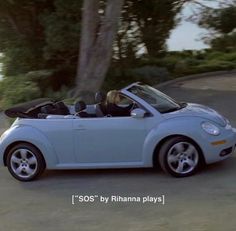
182 104
172 109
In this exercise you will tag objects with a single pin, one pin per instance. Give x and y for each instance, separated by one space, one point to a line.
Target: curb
196 76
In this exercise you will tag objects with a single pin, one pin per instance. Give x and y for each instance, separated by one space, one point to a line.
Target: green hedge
17 89
152 71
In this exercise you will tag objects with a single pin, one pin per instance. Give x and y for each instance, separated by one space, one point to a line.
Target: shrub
16 90
215 66
231 57
57 95
215 55
150 74
118 78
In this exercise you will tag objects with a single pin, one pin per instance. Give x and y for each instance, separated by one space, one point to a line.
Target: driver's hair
112 96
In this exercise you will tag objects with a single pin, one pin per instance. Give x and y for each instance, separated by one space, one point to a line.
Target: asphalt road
203 202
3 122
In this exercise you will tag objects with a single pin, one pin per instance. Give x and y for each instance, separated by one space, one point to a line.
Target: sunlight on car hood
199 110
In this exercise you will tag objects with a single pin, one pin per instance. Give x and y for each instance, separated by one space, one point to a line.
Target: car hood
198 110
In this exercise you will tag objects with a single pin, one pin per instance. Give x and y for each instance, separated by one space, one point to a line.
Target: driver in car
113 108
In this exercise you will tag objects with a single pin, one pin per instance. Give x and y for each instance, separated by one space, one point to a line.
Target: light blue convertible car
178 137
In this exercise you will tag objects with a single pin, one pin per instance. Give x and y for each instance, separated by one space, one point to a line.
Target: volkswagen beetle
178 137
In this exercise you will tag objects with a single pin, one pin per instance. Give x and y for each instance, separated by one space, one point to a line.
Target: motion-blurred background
58 48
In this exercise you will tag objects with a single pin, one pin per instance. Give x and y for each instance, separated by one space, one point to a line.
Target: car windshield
155 98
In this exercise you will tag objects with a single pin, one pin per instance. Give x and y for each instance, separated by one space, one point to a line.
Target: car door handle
80 127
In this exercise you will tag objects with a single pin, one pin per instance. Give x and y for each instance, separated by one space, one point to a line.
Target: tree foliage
22 35
154 23
222 24
145 26
222 20
43 36
62 31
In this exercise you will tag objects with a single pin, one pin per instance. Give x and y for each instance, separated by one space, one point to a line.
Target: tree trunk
90 23
97 38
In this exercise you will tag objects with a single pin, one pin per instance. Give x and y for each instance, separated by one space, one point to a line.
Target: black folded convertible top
29 109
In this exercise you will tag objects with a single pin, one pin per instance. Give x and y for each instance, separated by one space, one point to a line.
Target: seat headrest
100 97
62 108
80 106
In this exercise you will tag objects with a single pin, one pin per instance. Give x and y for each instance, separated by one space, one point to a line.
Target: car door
109 140
59 132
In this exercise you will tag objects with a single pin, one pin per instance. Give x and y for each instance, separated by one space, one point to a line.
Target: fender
169 128
20 133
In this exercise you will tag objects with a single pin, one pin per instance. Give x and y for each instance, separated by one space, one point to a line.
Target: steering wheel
134 106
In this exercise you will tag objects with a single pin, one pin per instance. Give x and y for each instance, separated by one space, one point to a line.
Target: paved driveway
206 201
217 92
3 122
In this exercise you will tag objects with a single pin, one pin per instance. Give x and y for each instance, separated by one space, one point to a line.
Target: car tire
25 162
179 157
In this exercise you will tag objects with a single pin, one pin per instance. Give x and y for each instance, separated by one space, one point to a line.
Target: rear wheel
25 162
179 157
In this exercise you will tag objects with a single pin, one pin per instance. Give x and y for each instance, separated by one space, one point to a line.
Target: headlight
210 128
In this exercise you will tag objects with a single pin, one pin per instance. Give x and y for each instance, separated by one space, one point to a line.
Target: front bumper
224 149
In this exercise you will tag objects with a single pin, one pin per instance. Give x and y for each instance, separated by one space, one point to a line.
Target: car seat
100 106
48 109
62 109
80 107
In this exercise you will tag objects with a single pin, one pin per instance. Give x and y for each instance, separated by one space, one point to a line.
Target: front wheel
25 162
179 157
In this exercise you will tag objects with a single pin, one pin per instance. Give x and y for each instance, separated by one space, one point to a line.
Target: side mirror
138 113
